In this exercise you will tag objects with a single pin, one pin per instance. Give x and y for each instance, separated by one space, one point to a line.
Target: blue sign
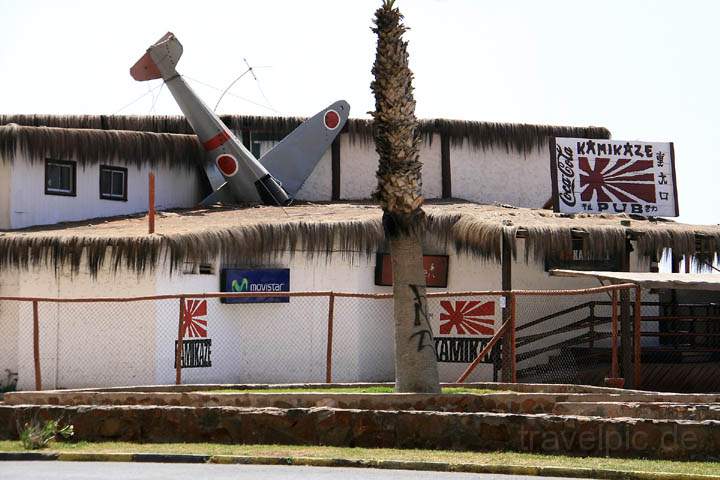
268 280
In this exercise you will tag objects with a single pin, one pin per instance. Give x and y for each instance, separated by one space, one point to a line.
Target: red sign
467 318
436 270
193 325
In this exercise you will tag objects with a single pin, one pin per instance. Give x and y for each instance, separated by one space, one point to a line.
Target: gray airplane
273 179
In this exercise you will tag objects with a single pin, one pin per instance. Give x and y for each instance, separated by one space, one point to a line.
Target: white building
325 247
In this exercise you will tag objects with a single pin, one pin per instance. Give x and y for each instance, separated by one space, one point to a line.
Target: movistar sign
260 280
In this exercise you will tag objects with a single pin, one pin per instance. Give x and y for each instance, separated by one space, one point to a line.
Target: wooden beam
36 345
446 173
151 202
626 323
506 264
335 151
507 341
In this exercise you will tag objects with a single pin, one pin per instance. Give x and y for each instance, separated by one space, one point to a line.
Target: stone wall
386 429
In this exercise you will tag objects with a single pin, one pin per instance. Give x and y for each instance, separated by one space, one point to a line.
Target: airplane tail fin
293 159
159 61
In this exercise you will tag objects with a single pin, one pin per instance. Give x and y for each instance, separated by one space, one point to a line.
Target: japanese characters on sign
613 176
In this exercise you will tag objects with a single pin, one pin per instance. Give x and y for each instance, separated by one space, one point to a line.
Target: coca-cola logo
566 167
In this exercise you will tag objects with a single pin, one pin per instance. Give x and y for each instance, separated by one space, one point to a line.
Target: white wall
5 190
29 205
86 344
359 162
133 343
287 342
9 328
495 175
318 186
479 175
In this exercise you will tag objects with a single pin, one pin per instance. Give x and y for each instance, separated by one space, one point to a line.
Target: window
113 183
263 142
577 260
192 268
205 269
60 177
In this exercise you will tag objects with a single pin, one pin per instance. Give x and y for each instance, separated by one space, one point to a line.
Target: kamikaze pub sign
613 176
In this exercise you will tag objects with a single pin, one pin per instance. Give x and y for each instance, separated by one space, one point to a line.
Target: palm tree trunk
397 141
415 360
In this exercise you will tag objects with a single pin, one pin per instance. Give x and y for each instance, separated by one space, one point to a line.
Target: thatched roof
92 146
243 236
478 135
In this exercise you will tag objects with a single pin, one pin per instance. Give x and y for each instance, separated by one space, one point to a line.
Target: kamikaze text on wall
464 329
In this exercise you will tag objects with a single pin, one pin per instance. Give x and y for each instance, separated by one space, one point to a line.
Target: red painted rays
621 181
193 325
467 318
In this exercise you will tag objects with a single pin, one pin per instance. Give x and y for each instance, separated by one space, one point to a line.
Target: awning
680 281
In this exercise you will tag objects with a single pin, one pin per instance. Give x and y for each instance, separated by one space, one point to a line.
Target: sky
646 70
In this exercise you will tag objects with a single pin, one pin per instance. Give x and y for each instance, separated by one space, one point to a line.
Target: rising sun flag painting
467 318
193 324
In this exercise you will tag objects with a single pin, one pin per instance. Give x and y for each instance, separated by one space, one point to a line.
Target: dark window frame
574 260
108 196
73 176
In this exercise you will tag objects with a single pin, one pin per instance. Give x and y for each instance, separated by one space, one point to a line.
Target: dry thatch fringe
704 248
92 146
233 246
483 240
260 243
521 138
279 126
518 137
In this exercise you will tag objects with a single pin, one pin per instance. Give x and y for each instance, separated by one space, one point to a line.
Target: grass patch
482 458
376 389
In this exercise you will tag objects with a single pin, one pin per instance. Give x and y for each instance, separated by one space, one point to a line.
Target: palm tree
397 141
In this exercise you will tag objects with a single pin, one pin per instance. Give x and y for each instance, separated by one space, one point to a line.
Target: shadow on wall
8 383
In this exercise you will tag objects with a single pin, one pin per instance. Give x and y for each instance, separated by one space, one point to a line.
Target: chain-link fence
570 339
300 337
589 336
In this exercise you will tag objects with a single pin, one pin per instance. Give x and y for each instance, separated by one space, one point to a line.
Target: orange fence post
637 341
179 346
500 334
36 345
151 202
331 319
513 353
614 360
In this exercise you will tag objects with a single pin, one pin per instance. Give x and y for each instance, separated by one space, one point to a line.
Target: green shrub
36 434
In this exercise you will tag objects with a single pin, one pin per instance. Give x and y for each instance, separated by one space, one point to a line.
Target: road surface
53 470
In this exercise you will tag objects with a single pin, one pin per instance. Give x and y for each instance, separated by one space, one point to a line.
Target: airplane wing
293 159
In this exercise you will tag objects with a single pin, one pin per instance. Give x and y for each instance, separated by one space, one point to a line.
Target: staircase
571 365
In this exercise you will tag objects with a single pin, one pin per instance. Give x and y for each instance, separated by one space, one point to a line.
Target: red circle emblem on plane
227 164
332 119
